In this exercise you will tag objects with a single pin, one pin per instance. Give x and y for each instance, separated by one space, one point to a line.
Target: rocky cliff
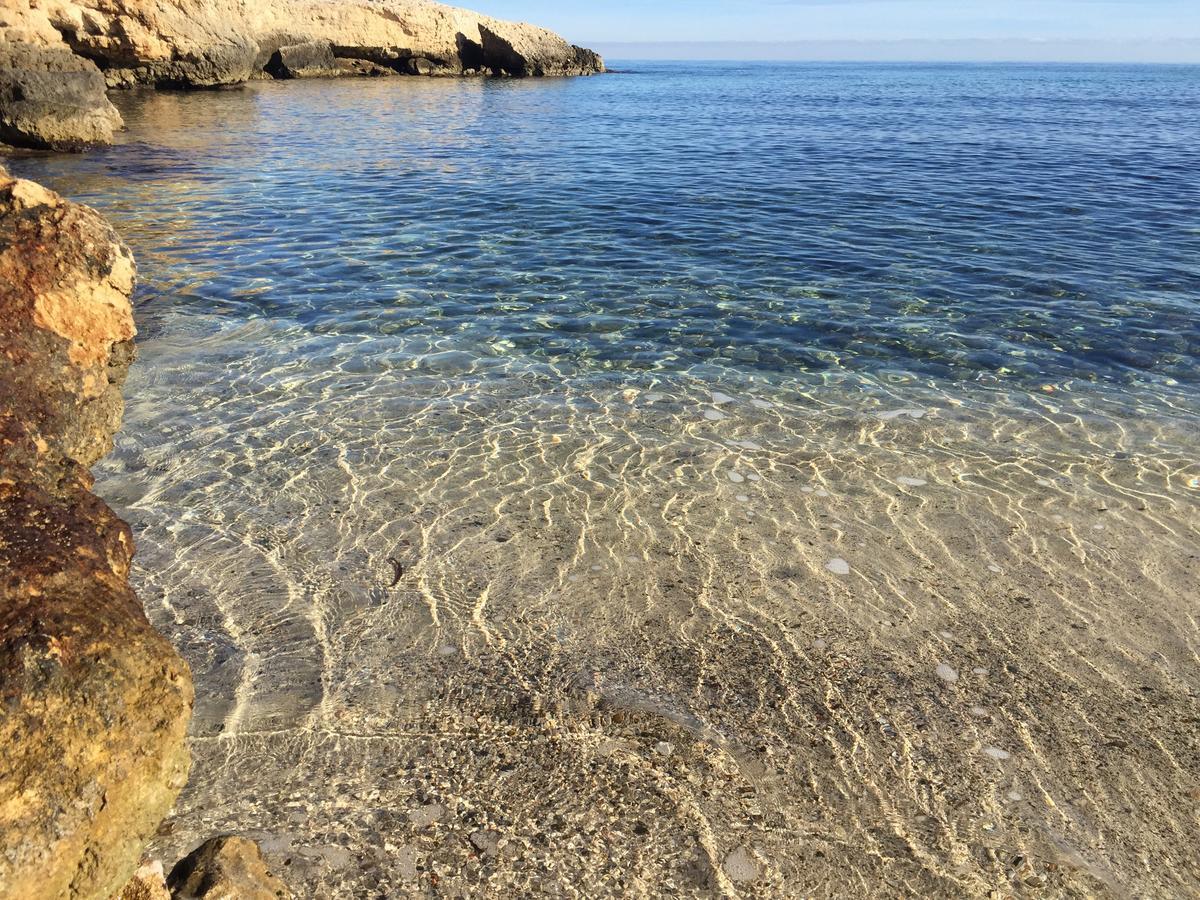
57 56
94 703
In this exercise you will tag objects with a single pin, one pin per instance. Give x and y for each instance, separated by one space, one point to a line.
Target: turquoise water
702 480
929 224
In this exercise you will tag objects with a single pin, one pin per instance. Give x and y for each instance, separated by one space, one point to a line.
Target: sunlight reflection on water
790 470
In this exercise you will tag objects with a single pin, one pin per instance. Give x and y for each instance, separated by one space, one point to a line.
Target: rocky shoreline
96 703
58 58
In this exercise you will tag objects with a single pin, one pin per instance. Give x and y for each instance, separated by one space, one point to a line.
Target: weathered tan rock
312 60
147 883
66 323
363 68
52 99
51 91
193 43
391 32
94 703
524 50
225 868
212 42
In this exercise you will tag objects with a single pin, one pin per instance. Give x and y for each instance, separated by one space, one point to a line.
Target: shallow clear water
793 471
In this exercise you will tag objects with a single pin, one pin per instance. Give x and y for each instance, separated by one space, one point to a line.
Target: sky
1158 30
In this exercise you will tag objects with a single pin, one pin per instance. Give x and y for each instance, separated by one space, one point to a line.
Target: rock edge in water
58 57
225 866
94 703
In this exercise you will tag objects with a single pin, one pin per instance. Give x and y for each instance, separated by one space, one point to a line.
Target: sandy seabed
501 636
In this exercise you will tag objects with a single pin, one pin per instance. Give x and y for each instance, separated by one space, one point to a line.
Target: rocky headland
59 57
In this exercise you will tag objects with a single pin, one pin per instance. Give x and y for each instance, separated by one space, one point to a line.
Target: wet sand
668 637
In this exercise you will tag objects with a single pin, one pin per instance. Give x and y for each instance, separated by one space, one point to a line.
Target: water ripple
662 482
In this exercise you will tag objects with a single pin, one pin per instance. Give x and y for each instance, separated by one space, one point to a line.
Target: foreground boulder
223 868
94 703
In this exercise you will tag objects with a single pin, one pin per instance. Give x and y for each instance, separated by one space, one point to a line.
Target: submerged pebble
740 865
996 753
838 566
720 399
897 413
736 477
714 415
947 673
425 816
486 842
912 482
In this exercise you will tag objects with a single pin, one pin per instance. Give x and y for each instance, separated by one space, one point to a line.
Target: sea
704 479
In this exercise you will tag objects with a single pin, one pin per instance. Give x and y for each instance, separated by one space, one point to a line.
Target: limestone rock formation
312 60
525 50
148 883
51 99
94 703
192 43
225 867
451 40
56 56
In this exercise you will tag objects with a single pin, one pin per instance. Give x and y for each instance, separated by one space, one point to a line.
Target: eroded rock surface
56 56
525 50
148 883
94 704
51 99
225 867
311 60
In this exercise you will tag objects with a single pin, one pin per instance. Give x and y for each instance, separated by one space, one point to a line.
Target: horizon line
962 40
1164 51
906 61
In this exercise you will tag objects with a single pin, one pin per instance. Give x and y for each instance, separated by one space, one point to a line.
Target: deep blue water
939 224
